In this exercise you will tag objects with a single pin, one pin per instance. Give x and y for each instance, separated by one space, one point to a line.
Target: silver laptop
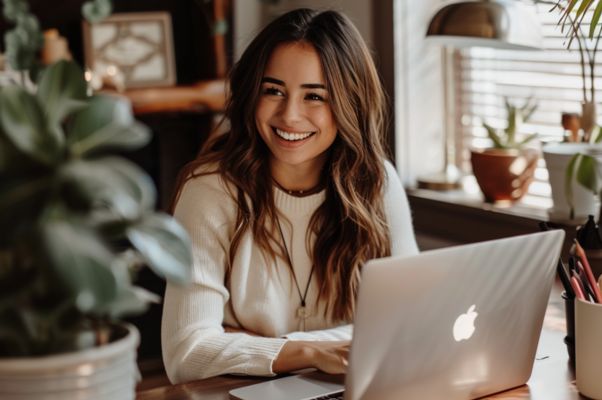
456 323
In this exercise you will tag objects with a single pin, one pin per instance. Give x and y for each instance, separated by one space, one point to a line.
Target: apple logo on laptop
464 325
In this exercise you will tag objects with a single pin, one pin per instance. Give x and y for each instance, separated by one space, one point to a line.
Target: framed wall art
138 47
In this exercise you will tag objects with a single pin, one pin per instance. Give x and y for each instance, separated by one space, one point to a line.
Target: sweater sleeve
193 340
399 218
343 332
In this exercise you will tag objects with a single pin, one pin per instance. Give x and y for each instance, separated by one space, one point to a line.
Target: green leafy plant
77 221
586 169
506 138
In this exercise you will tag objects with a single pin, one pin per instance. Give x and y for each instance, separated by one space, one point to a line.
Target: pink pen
577 288
588 272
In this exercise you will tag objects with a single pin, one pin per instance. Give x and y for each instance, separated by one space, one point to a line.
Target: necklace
302 312
300 193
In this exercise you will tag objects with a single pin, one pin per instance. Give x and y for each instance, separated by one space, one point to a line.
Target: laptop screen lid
459 322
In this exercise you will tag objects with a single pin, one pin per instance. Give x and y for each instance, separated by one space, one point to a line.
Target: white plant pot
106 372
557 157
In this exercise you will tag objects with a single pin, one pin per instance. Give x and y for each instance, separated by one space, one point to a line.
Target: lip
287 143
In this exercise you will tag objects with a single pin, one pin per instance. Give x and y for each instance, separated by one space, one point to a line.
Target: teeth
292 135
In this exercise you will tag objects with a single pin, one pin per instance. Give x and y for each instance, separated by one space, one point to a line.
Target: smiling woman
286 207
294 117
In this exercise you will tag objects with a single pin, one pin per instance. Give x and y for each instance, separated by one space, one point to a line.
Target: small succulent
506 138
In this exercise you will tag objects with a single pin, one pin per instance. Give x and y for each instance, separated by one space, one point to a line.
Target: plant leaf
62 90
164 245
595 18
512 123
568 182
23 42
13 162
22 200
132 300
526 140
96 10
107 123
583 7
598 138
110 183
528 113
81 262
25 124
586 173
497 141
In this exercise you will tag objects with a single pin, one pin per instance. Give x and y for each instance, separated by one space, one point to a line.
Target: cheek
325 120
261 112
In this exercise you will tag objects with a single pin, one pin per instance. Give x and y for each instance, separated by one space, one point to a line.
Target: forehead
295 63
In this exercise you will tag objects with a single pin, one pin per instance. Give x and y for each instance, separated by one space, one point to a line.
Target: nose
292 110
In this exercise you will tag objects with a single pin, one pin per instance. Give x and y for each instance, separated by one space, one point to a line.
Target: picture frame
132 50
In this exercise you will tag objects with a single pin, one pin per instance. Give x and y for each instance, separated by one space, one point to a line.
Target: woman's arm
328 356
194 343
399 217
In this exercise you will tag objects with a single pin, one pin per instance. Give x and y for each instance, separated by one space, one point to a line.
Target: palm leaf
595 18
583 7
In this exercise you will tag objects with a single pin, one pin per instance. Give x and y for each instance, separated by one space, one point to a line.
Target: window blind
552 76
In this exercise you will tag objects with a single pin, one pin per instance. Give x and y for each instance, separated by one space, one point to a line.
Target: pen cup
569 339
588 348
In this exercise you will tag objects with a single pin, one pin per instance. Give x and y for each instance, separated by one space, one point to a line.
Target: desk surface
552 378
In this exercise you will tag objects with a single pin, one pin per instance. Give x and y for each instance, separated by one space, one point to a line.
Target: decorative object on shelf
137 45
78 223
505 171
571 123
502 24
55 48
572 201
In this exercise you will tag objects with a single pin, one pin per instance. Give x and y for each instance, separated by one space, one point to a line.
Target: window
551 76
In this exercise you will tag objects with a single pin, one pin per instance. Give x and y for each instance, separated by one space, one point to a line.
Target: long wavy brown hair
350 225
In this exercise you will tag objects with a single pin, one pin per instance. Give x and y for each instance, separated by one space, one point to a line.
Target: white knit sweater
261 297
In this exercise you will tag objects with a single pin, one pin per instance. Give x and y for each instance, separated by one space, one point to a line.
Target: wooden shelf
205 96
460 217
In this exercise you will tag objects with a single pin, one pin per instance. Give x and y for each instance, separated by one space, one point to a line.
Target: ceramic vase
107 372
557 157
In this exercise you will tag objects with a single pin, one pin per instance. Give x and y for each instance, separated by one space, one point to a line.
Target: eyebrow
275 81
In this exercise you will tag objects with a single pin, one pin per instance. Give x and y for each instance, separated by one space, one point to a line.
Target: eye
314 96
272 91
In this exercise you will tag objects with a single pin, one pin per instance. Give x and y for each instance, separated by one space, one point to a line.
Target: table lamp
502 24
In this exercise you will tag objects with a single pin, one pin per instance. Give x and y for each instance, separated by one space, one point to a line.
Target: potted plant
567 173
505 170
77 223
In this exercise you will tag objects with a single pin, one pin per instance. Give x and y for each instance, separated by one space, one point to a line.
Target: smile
292 136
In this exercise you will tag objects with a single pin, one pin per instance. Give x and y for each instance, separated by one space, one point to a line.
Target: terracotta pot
504 174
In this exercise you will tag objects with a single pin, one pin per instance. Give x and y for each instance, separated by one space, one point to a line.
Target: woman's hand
330 357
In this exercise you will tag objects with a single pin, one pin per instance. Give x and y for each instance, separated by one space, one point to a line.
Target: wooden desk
552 378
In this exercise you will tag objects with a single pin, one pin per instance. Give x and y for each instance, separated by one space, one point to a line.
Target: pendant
302 314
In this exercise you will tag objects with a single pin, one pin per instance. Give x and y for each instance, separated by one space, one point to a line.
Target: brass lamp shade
488 23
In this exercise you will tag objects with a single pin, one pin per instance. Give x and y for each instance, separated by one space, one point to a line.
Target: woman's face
293 113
